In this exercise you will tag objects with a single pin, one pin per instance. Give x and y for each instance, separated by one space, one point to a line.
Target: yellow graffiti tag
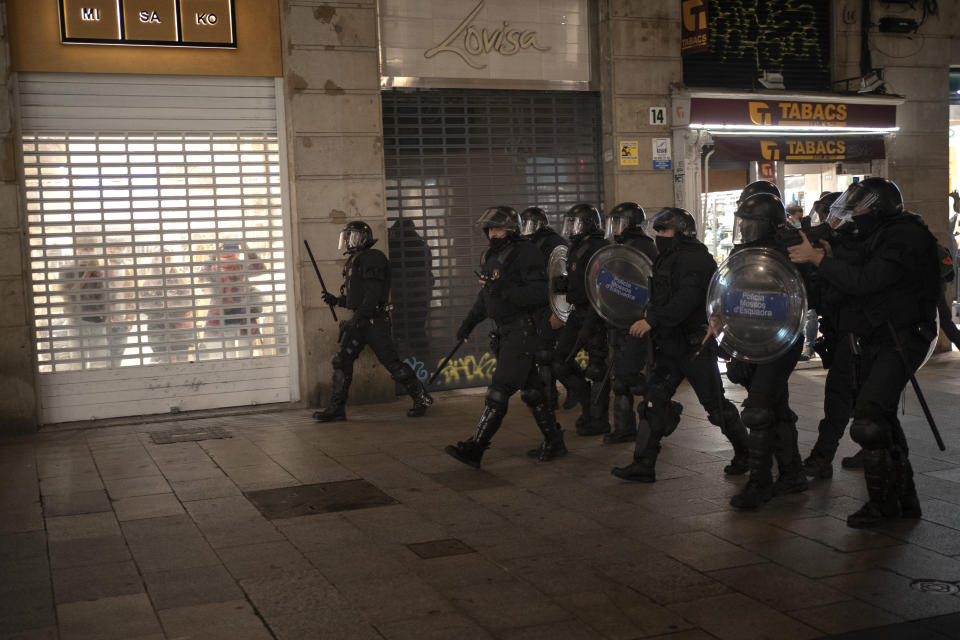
469 369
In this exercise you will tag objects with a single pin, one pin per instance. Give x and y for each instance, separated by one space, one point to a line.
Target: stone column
334 131
639 44
18 373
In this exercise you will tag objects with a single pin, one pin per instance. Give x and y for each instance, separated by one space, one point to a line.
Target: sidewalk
105 533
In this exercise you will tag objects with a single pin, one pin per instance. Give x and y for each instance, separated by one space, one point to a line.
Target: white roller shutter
157 231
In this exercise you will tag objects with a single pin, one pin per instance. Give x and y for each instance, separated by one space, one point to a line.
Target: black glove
560 284
336 301
463 332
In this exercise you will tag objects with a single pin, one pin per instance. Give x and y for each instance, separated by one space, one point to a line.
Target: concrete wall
18 401
916 66
639 49
335 149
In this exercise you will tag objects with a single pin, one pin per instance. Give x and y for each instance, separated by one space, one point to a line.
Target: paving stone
340 624
150 506
302 500
233 620
22 609
892 592
86 552
191 586
119 488
21 519
293 594
119 617
563 630
71 504
96 581
71 484
777 587
505 605
219 486
841 617
619 612
703 551
736 617
89 525
394 598
836 534
263 560
441 626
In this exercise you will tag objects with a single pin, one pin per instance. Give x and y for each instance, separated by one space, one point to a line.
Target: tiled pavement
105 534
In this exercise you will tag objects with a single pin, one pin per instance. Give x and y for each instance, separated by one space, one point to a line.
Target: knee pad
620 387
595 370
639 388
497 399
727 415
401 373
869 435
757 418
658 395
531 396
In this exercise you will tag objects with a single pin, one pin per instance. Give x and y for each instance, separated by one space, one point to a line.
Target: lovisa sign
492 40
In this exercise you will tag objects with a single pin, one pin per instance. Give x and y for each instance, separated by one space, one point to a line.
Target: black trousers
377 334
629 357
839 394
769 386
516 365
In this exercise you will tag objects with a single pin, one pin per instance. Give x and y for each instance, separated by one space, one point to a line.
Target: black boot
578 392
552 445
594 419
471 451
645 452
624 420
853 462
421 399
791 477
336 411
759 487
817 466
731 426
880 475
907 490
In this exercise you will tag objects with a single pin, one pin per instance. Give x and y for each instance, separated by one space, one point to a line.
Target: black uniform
513 297
896 290
629 360
676 313
366 291
546 240
586 329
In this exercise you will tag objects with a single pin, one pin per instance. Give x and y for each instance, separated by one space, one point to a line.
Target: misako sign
801 149
693 26
790 113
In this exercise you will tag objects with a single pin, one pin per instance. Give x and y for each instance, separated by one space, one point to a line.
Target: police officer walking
626 225
583 227
896 287
366 292
773 426
535 227
676 319
513 293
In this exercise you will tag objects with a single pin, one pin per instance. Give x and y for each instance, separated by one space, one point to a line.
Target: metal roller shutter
157 243
449 155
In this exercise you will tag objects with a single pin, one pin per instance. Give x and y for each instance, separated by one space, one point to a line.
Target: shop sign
191 23
661 154
485 39
767 171
629 153
790 113
800 149
693 26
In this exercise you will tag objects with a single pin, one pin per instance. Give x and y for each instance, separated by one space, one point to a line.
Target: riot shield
933 343
557 274
617 281
756 304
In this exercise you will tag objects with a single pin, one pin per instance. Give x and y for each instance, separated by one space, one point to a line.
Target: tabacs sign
802 149
693 26
790 113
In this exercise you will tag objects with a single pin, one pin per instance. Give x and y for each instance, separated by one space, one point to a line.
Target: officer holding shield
626 226
677 322
583 227
513 293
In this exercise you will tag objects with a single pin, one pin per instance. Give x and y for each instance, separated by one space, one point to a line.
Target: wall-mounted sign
658 115
186 23
661 154
693 26
538 40
790 113
801 149
629 153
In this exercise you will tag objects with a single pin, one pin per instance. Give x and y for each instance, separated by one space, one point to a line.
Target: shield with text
756 305
618 284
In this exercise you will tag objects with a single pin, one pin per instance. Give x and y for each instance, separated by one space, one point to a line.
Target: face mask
498 243
866 223
664 243
795 224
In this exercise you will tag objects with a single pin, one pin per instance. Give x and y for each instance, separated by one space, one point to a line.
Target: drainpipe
705 199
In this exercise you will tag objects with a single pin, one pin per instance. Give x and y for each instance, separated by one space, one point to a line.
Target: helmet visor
747 230
616 225
530 226
350 239
853 199
571 226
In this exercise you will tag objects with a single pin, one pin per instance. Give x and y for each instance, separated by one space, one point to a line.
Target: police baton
444 362
320 277
916 387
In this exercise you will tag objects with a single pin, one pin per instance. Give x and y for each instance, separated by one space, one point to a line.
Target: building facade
164 172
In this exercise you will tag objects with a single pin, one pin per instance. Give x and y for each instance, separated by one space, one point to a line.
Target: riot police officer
513 293
766 412
758 186
535 227
896 287
676 319
583 227
626 225
366 292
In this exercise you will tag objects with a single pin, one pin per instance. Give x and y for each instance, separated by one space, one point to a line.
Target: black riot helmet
757 218
501 217
582 220
760 186
356 235
680 220
821 208
879 196
627 218
532 219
